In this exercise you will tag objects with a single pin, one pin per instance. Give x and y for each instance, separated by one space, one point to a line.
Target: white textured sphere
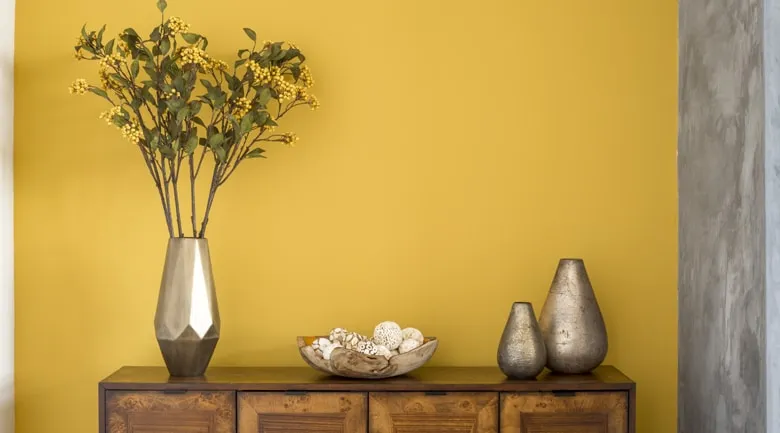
388 334
367 348
338 334
328 350
408 345
384 351
320 343
412 334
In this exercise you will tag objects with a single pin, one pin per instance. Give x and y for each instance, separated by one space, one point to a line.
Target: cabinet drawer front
323 412
581 412
412 412
158 412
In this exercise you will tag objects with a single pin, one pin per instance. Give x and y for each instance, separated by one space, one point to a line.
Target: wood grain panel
277 412
585 412
157 412
461 412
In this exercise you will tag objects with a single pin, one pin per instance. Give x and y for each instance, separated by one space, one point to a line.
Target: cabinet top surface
304 378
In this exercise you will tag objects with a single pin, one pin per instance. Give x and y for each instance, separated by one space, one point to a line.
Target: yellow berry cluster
132 132
111 61
219 65
289 138
79 87
263 75
241 106
177 25
108 116
306 77
195 55
172 94
305 97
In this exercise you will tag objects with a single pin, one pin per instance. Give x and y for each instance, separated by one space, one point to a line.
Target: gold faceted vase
187 322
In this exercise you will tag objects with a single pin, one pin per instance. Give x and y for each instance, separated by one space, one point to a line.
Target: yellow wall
461 149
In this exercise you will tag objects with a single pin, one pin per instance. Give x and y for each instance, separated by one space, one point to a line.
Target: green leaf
192 144
255 153
136 104
206 83
216 140
239 63
191 38
161 5
155 35
205 43
263 96
220 101
221 154
134 68
99 92
174 104
131 31
155 141
233 82
178 83
195 107
262 118
198 121
109 47
84 32
182 114
247 123
165 45
242 52
251 33
100 35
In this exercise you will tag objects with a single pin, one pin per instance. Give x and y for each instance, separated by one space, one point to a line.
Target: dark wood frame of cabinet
427 380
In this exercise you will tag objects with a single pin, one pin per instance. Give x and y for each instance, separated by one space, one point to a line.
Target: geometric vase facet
187 321
571 322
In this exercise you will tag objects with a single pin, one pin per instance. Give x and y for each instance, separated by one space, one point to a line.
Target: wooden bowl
350 363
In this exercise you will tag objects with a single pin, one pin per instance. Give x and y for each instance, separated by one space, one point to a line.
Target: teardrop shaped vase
571 322
521 352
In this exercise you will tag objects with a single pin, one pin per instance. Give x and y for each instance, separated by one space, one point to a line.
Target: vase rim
522 302
571 259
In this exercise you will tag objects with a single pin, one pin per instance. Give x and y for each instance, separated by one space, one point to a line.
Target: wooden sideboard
300 400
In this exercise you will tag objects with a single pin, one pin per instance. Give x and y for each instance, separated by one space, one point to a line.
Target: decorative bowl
349 363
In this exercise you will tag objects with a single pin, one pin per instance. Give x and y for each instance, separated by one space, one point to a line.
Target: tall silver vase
187 322
571 321
521 352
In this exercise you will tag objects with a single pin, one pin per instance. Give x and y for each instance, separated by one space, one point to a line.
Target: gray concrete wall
722 237
772 207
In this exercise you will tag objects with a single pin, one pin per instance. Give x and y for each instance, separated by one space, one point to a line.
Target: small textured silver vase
521 352
187 322
572 325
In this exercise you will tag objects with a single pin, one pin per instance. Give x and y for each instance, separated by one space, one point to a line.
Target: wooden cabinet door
410 412
321 412
581 412
158 412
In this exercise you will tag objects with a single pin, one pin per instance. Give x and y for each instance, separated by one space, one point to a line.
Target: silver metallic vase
521 352
572 325
187 319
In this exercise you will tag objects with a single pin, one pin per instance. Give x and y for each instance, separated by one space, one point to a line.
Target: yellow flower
314 103
177 25
306 77
241 106
289 139
108 116
132 132
79 87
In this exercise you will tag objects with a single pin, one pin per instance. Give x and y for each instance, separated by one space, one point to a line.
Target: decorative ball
412 334
388 334
320 343
366 347
408 345
384 351
328 350
338 334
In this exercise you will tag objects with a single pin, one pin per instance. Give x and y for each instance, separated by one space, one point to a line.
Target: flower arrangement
178 104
